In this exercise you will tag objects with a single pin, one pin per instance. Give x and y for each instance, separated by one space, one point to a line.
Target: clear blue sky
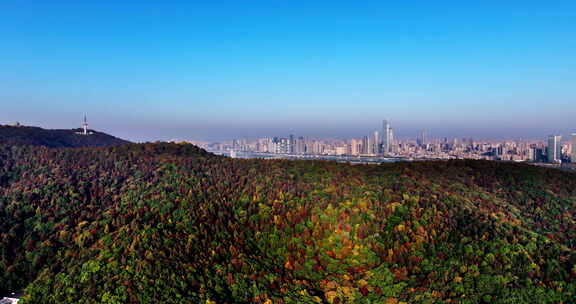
146 70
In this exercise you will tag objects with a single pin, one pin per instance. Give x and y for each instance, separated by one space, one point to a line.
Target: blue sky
147 70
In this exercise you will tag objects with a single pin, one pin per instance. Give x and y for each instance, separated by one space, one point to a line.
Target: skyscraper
573 158
273 144
421 140
356 148
554 150
284 145
386 140
365 145
376 143
370 145
391 141
300 145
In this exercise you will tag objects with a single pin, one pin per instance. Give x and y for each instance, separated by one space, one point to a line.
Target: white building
386 137
554 150
376 144
341 150
573 158
355 147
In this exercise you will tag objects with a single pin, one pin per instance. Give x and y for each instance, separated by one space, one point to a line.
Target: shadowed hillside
175 224
24 135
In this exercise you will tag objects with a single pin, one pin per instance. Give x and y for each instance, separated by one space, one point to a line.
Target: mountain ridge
56 138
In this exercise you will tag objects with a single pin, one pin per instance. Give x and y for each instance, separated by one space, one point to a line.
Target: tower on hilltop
84 128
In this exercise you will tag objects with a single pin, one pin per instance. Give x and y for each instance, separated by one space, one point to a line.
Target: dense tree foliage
171 223
10 135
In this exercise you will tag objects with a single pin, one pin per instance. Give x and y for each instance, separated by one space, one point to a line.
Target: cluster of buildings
374 144
383 144
557 153
371 145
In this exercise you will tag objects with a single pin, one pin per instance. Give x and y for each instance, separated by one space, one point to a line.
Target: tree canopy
172 223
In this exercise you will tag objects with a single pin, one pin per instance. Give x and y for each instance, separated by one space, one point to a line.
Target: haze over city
222 70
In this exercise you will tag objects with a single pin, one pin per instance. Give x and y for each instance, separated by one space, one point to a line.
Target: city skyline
222 70
349 132
377 147
382 145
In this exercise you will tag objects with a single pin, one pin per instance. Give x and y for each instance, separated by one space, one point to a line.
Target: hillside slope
35 136
174 224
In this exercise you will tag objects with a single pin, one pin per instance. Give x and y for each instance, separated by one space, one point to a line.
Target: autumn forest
171 223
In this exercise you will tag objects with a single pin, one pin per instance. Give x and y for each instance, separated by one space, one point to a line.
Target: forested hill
168 223
25 135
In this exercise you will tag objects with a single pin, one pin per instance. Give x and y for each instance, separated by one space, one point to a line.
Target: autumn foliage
172 223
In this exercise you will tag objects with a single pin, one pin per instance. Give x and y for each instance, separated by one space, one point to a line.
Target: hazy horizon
216 71
133 132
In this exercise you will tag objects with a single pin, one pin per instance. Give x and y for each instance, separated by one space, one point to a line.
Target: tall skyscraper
370 145
386 140
421 140
365 149
573 158
356 148
391 141
317 147
274 145
554 150
300 145
530 154
376 143
284 145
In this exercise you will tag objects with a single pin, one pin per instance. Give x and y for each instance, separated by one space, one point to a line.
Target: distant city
382 146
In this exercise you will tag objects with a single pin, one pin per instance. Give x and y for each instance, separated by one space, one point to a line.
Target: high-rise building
317 147
421 140
365 143
376 143
370 145
386 134
262 145
356 146
573 158
554 150
236 144
284 146
530 154
274 145
341 150
300 145
391 141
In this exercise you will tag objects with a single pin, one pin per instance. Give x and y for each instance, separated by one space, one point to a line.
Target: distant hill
35 136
